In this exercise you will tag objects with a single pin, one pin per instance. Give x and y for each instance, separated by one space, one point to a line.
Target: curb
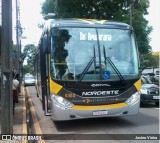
32 119
24 121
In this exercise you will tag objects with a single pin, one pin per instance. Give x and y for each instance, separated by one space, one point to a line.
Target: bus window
73 49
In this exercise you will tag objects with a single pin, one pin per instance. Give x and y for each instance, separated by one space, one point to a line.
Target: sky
154 21
30 17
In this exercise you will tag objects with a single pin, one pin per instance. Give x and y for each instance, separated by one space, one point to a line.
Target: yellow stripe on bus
98 21
93 21
100 107
86 20
54 87
138 84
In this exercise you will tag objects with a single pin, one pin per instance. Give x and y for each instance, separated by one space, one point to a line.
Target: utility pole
17 36
6 73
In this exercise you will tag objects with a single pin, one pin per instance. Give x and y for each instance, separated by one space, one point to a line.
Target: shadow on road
148 105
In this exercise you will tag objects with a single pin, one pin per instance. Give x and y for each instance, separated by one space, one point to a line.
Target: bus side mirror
46 44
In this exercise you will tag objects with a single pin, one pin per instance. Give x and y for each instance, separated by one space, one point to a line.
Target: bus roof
75 22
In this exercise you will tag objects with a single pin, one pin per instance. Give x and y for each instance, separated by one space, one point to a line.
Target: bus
87 68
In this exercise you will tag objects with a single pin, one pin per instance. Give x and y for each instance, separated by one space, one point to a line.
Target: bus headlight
62 102
133 98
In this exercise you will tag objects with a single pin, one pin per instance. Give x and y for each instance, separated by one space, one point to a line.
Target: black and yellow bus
87 68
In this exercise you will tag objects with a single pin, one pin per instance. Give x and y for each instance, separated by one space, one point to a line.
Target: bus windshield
93 54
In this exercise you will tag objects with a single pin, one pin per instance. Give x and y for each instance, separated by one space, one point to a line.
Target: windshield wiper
112 64
93 59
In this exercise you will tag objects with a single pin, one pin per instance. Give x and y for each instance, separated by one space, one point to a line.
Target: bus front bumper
59 113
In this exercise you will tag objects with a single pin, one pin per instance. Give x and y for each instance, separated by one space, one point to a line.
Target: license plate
102 112
156 97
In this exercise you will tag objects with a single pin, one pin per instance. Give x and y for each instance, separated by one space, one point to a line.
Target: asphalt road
100 130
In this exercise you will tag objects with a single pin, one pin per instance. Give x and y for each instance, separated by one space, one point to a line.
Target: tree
140 24
117 10
28 54
148 61
26 69
48 6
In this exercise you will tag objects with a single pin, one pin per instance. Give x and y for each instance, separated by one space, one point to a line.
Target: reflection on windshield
73 48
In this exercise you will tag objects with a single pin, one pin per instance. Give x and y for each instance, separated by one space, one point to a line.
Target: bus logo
90 93
98 85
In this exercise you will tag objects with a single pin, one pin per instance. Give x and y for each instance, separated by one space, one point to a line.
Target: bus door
47 95
45 79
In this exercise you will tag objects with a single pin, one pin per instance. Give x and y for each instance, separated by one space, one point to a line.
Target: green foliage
28 54
117 10
148 61
140 24
26 69
48 6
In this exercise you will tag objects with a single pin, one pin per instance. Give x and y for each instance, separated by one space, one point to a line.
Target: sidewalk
19 118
